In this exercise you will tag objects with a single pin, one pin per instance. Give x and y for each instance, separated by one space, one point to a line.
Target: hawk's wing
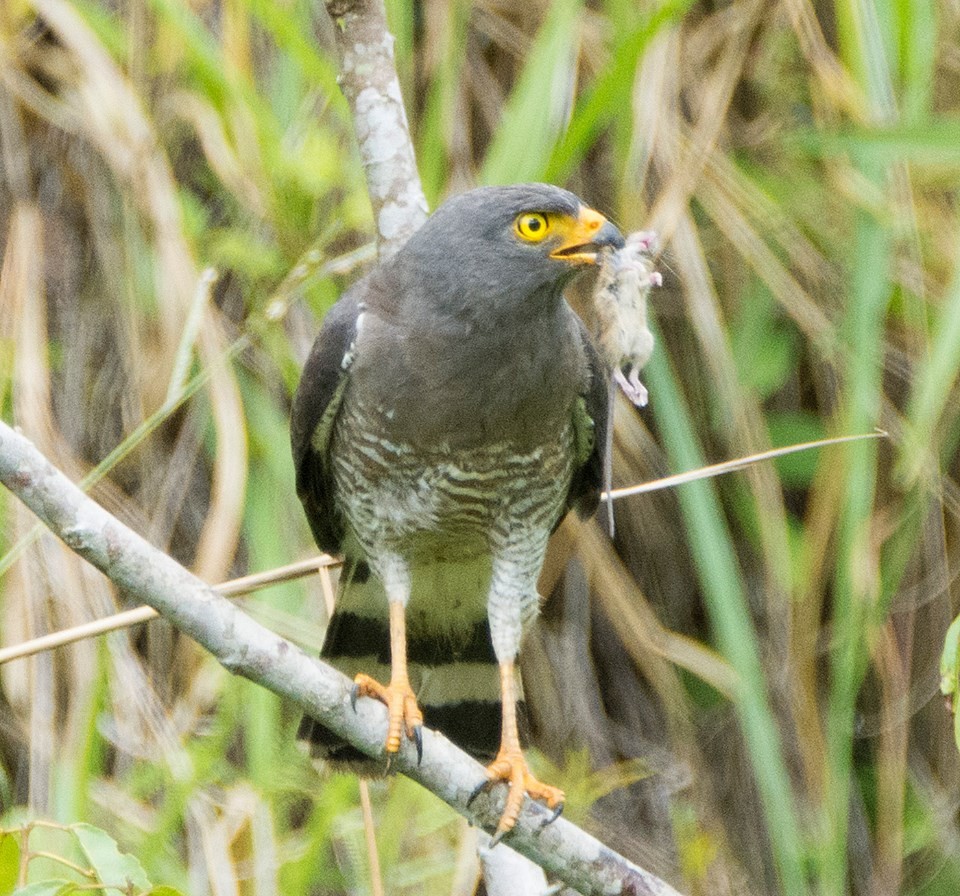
315 407
590 431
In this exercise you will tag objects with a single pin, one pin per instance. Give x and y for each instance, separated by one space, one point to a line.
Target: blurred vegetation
748 702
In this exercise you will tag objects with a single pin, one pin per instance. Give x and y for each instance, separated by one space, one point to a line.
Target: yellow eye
532 226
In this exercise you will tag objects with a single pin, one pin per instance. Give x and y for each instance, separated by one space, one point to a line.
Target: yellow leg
511 767
401 702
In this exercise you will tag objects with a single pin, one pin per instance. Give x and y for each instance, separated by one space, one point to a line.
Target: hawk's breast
430 500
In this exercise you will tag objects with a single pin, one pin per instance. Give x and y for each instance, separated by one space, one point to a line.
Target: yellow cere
532 226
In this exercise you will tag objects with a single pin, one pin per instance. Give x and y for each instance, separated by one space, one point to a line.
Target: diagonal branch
247 648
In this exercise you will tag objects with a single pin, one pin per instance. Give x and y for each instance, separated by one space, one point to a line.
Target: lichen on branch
368 79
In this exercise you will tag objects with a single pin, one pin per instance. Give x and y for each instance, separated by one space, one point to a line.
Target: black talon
496 838
552 818
354 693
480 788
418 741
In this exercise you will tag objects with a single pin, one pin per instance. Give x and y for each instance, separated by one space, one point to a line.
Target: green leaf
163 891
791 428
113 867
53 887
950 673
764 344
9 863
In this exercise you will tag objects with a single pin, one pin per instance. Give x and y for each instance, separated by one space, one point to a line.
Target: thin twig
729 466
53 857
370 836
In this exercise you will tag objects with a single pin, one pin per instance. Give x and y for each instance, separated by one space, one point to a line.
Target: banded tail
451 662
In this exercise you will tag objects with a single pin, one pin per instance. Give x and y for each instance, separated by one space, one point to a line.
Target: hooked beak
584 237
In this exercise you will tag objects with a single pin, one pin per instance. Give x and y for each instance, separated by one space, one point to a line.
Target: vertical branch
368 79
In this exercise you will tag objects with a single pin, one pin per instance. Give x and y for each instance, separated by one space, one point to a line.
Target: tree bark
368 79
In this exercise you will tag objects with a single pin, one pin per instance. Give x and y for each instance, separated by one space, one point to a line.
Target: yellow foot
402 709
512 768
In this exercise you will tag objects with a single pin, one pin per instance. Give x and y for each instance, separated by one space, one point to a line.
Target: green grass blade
934 385
935 145
534 112
440 113
866 46
856 582
918 24
291 37
726 603
610 93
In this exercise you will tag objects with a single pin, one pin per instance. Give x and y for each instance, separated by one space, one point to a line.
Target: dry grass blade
234 588
712 99
655 649
114 119
370 839
730 466
221 528
732 209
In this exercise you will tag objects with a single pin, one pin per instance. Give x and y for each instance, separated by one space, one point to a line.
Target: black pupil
534 224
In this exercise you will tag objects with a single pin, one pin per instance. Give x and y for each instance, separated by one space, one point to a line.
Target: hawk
449 415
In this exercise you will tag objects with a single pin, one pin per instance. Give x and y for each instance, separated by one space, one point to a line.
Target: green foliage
609 93
9 863
950 673
122 870
56 887
583 784
85 858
